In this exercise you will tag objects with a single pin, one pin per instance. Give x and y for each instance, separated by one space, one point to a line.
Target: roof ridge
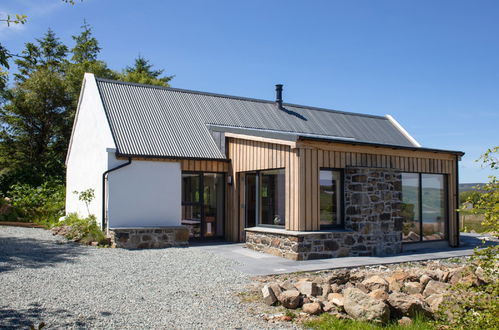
242 98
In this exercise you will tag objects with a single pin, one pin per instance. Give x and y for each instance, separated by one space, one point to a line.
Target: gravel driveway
44 278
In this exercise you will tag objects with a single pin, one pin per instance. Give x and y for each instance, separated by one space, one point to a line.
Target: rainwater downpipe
104 178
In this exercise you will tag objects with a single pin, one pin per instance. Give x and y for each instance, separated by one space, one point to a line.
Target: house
170 165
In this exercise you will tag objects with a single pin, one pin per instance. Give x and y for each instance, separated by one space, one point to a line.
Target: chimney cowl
278 96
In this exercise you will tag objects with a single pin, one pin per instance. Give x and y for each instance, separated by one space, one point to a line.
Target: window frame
258 197
420 207
341 214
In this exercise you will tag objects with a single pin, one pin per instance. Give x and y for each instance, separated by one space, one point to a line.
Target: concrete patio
257 263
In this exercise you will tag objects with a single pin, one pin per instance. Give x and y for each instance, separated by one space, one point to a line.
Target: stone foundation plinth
321 244
150 238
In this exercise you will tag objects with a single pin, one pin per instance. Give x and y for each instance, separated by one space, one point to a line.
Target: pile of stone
368 295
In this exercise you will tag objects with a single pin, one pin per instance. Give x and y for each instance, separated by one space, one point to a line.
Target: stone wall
373 225
150 238
373 202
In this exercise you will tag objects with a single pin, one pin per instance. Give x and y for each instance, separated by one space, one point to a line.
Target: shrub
7 211
43 204
83 230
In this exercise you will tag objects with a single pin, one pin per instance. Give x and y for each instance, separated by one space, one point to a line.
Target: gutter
104 179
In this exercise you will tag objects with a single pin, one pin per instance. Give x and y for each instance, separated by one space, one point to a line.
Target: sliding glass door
203 204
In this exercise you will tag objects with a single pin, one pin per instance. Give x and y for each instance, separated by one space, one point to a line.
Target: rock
375 282
379 294
463 275
335 288
290 299
339 277
326 289
276 288
434 301
412 236
424 279
434 287
268 295
312 308
403 304
287 285
481 275
396 280
329 307
336 298
362 307
307 288
361 287
405 321
306 300
413 287
94 243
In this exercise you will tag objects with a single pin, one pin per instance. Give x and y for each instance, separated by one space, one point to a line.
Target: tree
31 137
84 59
49 53
141 72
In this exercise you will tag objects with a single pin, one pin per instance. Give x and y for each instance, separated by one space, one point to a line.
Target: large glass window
265 198
330 198
424 207
272 193
203 204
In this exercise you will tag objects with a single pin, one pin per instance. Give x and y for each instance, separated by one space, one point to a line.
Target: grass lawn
327 321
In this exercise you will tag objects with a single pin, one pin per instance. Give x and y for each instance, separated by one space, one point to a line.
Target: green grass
327 321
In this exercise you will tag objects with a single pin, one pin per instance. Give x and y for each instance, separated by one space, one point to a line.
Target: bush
43 204
83 230
7 211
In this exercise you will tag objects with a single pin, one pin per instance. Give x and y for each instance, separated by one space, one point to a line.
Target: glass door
203 204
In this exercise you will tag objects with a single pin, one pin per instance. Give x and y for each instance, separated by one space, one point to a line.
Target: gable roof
169 122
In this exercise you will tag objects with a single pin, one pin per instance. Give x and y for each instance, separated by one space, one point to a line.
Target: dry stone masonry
373 225
150 238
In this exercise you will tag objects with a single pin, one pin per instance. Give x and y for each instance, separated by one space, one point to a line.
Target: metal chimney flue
278 96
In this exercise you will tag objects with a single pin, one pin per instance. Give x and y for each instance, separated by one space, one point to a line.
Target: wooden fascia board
291 144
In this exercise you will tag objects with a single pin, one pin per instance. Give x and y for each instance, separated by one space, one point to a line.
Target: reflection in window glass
213 204
433 200
424 207
410 207
190 188
272 197
330 198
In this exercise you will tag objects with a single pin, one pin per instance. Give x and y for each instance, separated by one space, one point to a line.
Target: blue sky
433 65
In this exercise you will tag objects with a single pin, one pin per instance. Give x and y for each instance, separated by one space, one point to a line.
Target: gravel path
44 278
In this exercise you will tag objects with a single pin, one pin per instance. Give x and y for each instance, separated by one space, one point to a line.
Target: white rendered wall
144 194
87 158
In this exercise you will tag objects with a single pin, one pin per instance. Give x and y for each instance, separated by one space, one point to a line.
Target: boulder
406 305
396 280
268 295
308 288
336 288
375 283
276 288
434 287
329 307
287 285
361 306
290 299
312 308
339 277
405 321
379 294
336 298
326 289
424 279
463 275
413 287
434 301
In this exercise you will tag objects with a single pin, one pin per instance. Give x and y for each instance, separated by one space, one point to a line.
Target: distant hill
469 186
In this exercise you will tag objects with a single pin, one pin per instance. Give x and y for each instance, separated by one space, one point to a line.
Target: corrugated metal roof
169 122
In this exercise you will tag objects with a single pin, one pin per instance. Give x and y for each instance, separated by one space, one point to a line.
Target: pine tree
141 72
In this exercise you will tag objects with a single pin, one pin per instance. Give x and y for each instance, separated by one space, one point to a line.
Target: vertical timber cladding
315 155
253 155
